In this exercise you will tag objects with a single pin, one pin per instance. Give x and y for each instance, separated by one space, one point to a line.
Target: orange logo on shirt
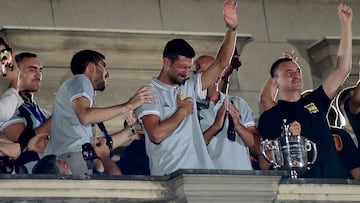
338 142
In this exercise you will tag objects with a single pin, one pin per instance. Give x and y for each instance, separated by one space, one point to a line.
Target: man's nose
38 75
296 74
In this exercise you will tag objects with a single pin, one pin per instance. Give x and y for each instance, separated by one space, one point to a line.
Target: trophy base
293 174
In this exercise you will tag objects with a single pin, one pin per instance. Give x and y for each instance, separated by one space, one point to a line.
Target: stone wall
55 29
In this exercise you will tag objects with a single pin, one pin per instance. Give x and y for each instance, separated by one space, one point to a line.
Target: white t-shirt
225 153
9 102
67 132
185 147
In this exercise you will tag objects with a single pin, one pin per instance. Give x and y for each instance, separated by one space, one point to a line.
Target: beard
100 86
30 88
174 80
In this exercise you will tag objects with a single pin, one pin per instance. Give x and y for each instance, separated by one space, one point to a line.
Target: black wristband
133 131
109 143
231 29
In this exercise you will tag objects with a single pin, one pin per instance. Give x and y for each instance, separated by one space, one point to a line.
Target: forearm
226 50
337 77
110 166
165 127
344 60
45 127
268 95
246 136
100 114
263 164
122 137
210 133
222 60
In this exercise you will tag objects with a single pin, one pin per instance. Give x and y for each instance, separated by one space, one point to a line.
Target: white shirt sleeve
9 102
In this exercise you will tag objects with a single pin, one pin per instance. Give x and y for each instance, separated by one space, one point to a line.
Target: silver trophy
289 152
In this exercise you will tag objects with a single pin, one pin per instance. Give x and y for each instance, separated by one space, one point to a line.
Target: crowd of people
182 119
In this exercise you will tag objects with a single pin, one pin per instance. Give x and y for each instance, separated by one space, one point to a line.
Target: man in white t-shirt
173 136
230 153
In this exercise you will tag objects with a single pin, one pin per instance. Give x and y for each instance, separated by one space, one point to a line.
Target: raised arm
227 47
234 65
344 55
217 125
268 95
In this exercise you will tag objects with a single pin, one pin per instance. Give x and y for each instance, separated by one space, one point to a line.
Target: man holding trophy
310 111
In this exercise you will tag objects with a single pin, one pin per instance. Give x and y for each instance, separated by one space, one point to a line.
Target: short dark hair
276 64
47 165
4 43
82 58
19 57
178 47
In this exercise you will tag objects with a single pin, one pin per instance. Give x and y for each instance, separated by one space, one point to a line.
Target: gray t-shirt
185 147
67 133
225 153
9 102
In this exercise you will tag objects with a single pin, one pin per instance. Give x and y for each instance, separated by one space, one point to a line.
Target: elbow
254 147
156 137
84 120
262 101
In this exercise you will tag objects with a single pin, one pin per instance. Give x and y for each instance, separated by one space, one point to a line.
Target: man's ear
90 67
275 83
166 62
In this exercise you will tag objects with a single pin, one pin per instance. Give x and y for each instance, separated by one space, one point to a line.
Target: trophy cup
289 152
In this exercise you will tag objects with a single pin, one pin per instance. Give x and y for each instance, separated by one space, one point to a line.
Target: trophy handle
311 146
268 145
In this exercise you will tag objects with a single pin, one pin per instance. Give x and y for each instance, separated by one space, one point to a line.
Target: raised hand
230 13
234 113
290 54
345 13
